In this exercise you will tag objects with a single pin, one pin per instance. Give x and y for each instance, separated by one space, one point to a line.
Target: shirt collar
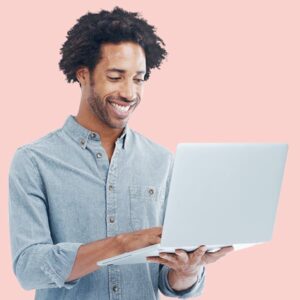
82 135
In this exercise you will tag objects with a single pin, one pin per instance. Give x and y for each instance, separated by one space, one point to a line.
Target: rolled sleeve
37 261
58 262
46 266
195 290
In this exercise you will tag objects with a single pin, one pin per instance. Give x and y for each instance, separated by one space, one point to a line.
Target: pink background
232 75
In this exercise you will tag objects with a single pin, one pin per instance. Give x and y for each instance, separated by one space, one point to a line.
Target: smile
121 108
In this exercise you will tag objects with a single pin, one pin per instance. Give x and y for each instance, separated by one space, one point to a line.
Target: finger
169 257
183 255
199 251
153 256
218 254
197 255
225 250
159 260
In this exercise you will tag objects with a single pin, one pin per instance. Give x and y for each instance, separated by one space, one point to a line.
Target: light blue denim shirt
64 192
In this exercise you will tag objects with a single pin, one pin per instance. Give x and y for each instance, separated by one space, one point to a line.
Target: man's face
117 83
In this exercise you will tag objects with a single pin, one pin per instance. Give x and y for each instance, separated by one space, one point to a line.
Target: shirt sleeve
37 262
193 291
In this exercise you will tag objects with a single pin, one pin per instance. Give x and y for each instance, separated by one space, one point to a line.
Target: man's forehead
123 55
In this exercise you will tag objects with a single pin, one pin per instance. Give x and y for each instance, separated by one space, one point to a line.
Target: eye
138 80
114 78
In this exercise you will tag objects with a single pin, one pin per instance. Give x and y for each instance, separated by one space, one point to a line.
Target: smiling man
95 188
112 91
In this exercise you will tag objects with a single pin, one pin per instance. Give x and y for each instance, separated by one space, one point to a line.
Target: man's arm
37 261
90 253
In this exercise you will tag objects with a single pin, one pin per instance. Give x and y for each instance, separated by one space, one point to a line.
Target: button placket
115 288
114 282
100 160
111 210
112 224
111 201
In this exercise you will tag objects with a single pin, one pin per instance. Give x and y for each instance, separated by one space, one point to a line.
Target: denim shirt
64 192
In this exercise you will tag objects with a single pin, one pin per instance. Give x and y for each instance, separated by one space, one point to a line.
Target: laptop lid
223 194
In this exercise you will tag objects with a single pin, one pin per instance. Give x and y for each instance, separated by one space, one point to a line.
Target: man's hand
138 239
185 266
89 254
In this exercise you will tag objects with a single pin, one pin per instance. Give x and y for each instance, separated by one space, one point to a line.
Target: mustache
123 99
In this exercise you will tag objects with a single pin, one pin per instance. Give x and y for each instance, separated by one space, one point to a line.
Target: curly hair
84 40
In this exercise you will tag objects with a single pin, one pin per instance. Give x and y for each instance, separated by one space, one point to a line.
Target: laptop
220 194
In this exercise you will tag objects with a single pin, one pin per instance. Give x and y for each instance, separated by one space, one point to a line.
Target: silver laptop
220 195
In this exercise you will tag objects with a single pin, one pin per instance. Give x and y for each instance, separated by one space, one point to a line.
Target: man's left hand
186 266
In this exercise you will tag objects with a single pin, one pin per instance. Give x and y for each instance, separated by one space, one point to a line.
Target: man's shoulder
41 145
23 156
41 142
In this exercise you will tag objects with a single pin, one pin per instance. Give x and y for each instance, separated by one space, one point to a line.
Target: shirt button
151 191
110 188
99 155
82 141
115 288
93 135
111 220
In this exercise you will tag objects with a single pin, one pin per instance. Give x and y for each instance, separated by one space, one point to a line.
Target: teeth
120 107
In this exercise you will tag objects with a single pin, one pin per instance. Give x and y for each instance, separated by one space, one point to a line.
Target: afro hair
84 39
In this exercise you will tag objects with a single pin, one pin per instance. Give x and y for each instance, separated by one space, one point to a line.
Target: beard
100 108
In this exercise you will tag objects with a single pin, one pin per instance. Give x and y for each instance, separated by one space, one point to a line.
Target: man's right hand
88 254
131 241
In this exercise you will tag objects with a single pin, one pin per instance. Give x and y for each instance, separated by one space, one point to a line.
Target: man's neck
107 135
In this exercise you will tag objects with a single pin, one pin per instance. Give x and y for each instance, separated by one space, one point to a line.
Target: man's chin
118 125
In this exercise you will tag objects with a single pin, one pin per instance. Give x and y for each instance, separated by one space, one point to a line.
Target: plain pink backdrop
232 75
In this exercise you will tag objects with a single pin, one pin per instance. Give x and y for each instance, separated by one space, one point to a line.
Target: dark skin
109 96
124 86
185 266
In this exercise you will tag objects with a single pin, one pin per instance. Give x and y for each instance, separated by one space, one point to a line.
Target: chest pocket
146 206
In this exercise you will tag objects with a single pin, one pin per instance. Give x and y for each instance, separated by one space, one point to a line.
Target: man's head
111 54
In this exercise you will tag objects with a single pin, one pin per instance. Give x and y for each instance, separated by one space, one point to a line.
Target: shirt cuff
59 263
194 290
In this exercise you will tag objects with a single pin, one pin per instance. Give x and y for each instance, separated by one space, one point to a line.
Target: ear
83 76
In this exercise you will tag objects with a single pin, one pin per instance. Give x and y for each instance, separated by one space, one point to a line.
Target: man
95 188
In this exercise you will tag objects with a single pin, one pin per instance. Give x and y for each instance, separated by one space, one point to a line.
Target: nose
127 91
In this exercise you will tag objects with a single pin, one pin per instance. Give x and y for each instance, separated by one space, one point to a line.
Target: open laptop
220 195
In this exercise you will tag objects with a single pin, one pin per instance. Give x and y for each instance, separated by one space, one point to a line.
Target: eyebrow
123 71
